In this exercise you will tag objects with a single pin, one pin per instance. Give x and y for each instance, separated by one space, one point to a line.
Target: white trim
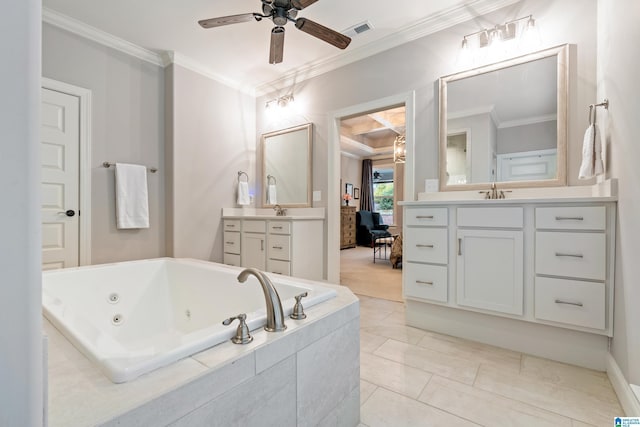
87 31
429 25
482 109
333 168
184 61
628 399
527 121
84 95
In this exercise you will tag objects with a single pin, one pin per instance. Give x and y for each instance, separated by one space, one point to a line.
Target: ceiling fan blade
226 20
301 4
277 45
323 33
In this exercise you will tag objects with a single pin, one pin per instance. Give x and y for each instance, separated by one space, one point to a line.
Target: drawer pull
424 217
577 304
459 246
559 254
277 228
569 218
421 282
230 243
231 225
276 247
424 246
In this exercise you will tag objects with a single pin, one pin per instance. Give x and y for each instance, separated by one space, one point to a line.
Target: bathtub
133 317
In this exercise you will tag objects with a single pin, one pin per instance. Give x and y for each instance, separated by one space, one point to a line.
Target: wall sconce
497 35
399 149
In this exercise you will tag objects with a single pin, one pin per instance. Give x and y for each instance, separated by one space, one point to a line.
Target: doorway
65 168
342 150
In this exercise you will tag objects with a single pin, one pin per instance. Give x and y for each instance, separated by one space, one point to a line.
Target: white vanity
533 273
291 245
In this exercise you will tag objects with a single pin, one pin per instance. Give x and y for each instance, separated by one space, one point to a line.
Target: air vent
358 29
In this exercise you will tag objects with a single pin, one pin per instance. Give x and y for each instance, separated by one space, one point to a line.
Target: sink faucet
279 210
494 193
275 315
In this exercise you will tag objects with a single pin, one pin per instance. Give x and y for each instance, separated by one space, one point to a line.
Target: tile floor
411 377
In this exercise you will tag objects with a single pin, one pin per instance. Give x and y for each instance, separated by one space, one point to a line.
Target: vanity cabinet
287 246
546 262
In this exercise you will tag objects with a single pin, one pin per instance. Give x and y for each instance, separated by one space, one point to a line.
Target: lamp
399 149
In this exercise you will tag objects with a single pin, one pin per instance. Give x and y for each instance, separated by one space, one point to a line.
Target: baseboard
626 396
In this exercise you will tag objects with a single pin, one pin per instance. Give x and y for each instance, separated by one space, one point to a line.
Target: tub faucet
275 315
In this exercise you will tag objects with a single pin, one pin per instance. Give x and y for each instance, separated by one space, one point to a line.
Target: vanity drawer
231 242
254 226
279 227
581 255
572 218
426 245
426 216
279 248
570 301
231 259
231 225
425 281
491 217
279 267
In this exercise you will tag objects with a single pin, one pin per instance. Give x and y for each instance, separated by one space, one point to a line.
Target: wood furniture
542 269
347 227
281 245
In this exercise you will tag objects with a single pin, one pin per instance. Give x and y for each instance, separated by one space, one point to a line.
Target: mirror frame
309 128
562 86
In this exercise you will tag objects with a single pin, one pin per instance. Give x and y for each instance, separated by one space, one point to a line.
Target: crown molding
81 29
431 24
195 66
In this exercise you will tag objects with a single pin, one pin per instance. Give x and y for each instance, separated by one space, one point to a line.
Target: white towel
132 199
243 193
271 194
591 153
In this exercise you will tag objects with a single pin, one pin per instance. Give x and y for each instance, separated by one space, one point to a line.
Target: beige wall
213 137
127 125
618 64
351 172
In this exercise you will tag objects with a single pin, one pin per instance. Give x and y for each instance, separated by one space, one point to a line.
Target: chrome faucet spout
275 314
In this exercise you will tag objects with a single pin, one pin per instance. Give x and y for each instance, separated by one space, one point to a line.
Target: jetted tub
133 317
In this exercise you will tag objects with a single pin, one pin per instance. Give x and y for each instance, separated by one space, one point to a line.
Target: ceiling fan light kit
281 12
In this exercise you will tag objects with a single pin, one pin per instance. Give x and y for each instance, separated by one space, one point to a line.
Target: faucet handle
487 194
242 333
298 310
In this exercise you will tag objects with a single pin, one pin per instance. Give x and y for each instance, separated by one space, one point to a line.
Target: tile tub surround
276 377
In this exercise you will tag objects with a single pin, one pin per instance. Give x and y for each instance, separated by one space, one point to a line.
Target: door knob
69 212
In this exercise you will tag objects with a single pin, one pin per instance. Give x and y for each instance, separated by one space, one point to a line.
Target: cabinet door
253 250
490 270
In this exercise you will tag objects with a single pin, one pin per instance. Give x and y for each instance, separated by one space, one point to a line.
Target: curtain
366 188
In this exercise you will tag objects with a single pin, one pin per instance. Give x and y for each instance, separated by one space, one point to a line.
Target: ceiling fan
281 12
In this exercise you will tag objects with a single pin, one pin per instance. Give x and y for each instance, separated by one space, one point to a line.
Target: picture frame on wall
348 189
356 193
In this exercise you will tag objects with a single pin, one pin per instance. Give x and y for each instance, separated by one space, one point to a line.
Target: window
383 193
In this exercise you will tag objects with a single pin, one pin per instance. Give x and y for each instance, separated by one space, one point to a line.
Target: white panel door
60 149
490 270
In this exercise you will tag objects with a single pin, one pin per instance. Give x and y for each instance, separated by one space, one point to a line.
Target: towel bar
240 173
108 165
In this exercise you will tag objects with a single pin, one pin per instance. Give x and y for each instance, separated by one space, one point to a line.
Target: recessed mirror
505 122
286 167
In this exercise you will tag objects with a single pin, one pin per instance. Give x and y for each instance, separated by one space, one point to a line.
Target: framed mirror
506 123
286 167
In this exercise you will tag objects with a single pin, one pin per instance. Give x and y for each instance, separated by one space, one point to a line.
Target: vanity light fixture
502 32
399 149
280 102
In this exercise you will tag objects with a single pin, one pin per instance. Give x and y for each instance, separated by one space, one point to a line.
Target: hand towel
132 199
591 153
271 194
243 193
